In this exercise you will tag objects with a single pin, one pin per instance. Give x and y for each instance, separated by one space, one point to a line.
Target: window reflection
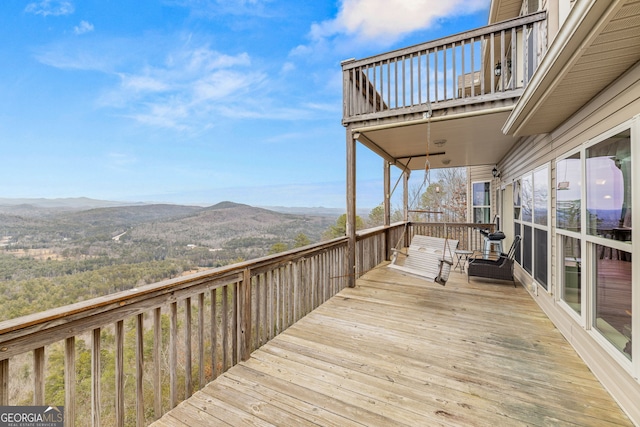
540 196
613 297
609 188
527 197
569 192
572 273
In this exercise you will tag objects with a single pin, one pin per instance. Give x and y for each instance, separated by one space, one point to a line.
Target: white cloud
189 90
391 19
50 7
84 27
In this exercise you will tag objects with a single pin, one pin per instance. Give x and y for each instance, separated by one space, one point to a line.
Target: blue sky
195 101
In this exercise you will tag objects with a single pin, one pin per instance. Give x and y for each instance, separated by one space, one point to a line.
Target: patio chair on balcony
428 257
500 268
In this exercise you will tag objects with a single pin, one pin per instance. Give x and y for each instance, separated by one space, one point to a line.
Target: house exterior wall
616 105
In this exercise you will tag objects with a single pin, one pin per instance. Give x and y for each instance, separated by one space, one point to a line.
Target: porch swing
427 257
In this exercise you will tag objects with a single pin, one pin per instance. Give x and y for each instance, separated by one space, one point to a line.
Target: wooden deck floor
399 351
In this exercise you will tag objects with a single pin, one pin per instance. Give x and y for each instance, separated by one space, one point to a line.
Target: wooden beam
351 209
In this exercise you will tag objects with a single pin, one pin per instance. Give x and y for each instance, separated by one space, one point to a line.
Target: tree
448 195
278 247
339 229
301 240
376 216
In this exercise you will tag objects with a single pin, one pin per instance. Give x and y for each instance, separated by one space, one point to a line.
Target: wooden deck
399 351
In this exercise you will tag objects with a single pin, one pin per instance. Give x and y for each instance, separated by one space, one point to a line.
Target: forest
52 257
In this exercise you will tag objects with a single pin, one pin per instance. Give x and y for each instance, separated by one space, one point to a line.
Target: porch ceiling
599 42
471 139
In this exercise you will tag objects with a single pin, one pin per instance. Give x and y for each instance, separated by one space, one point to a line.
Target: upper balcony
477 73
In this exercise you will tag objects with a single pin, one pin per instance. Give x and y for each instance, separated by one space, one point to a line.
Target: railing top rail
504 25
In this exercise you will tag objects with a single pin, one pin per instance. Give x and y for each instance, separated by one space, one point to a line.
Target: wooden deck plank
399 350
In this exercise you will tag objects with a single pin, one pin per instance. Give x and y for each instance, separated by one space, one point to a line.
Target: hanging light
498 69
495 172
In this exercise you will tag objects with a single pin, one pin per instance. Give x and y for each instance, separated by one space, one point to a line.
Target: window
593 217
531 212
571 262
613 297
608 168
569 192
482 202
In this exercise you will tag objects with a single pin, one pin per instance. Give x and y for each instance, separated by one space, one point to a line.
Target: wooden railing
127 358
485 64
467 234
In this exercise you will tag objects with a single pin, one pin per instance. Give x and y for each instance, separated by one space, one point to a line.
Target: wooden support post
245 316
387 192
351 209
70 382
387 207
38 376
405 202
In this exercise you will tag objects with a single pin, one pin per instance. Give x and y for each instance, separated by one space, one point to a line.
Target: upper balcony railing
129 357
481 65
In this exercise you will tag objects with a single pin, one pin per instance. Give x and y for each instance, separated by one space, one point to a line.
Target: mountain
226 231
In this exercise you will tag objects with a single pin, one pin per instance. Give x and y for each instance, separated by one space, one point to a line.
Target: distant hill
233 225
73 203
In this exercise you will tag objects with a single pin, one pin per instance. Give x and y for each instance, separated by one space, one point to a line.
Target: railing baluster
461 87
225 327
119 370
419 77
173 355
188 381
373 89
492 64
395 64
473 68
514 60
503 62
444 70
428 70
201 380
213 319
4 382
140 421
411 78
435 77
157 372
95 378
482 65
